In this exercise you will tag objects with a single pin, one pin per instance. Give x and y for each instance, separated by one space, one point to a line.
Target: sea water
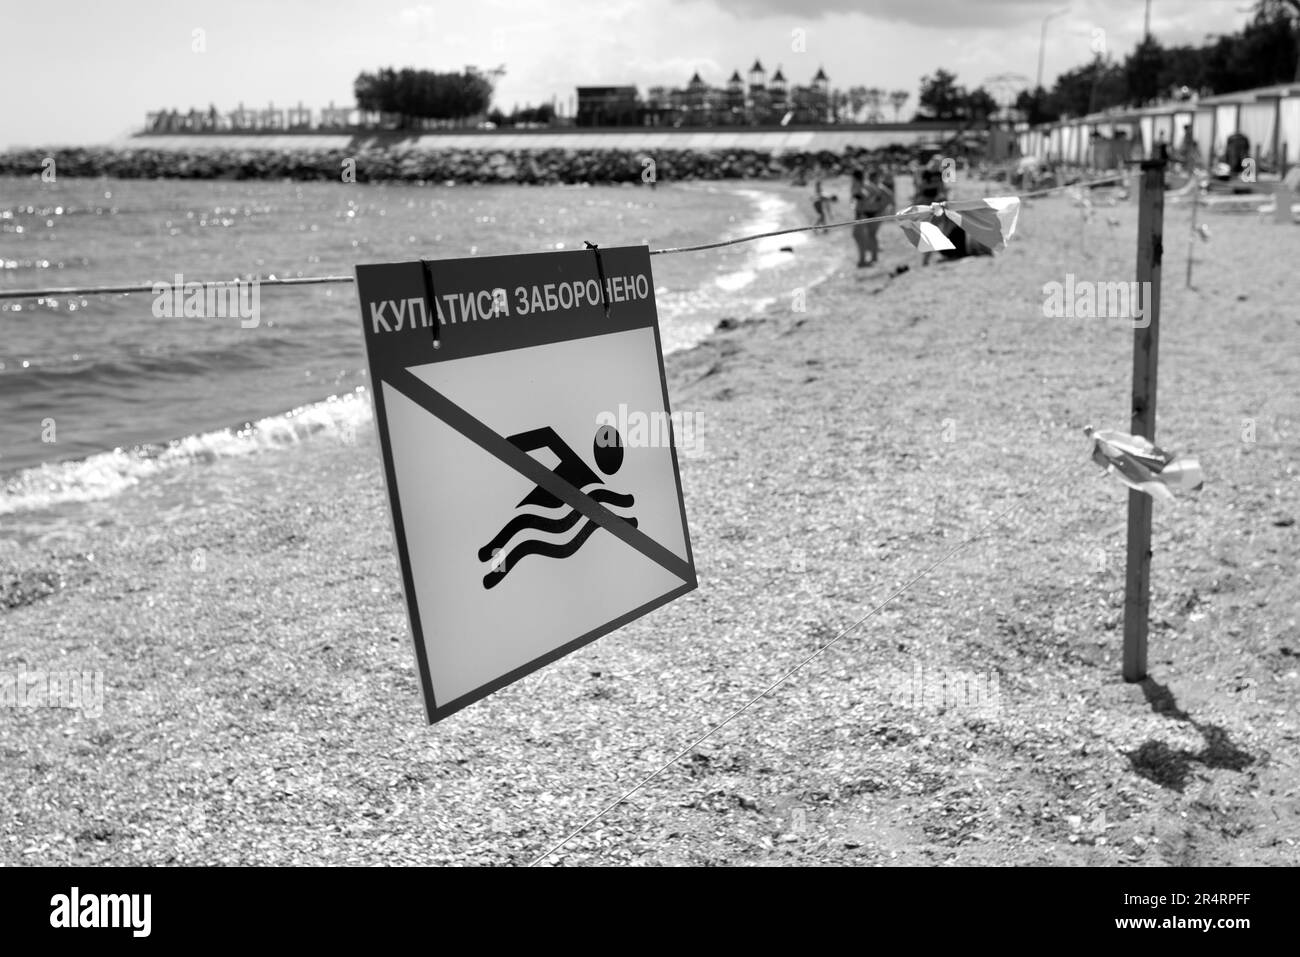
99 393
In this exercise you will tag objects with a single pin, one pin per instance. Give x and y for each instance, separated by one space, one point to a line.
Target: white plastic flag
1142 465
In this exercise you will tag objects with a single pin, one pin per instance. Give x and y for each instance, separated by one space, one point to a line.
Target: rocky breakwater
388 164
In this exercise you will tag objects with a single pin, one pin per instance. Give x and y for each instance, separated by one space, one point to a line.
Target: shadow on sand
1171 767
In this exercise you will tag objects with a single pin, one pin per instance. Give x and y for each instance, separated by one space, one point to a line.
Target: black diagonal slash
437 404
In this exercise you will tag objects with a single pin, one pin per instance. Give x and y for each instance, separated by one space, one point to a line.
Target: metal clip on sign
600 276
431 304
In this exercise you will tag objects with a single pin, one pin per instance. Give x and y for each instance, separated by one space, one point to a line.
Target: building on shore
269 119
757 100
608 106
1262 124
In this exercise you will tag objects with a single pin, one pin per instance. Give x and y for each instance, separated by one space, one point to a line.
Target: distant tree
941 98
373 89
1036 106
533 114
1143 72
1289 12
857 100
1182 66
979 104
875 98
1265 51
1085 89
897 99
423 94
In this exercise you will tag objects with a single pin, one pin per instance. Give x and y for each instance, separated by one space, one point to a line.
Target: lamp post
1042 43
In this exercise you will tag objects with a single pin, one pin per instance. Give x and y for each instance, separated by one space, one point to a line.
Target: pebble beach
885 426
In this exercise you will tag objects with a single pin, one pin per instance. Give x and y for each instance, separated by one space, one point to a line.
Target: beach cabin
1193 130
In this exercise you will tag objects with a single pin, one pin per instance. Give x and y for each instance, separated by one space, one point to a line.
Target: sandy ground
260 698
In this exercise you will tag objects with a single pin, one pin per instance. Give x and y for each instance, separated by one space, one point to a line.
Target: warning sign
526 524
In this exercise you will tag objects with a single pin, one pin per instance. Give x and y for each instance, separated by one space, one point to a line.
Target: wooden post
1191 240
1277 131
1137 590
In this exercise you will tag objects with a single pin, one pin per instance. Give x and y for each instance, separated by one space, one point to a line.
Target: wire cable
320 280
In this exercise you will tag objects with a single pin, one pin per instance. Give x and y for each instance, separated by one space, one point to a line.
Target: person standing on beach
821 202
930 188
870 199
1189 151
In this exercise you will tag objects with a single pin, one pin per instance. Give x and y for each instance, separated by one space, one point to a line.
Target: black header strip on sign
434 402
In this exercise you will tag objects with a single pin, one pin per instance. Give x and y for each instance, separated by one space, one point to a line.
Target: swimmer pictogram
540 513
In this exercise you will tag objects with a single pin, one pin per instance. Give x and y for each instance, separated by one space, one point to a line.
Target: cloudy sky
84 71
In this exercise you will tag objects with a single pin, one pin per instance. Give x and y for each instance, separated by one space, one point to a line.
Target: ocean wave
82 371
770 213
106 474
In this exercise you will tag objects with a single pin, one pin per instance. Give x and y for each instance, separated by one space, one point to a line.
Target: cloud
935 14
675 70
1172 21
419 21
